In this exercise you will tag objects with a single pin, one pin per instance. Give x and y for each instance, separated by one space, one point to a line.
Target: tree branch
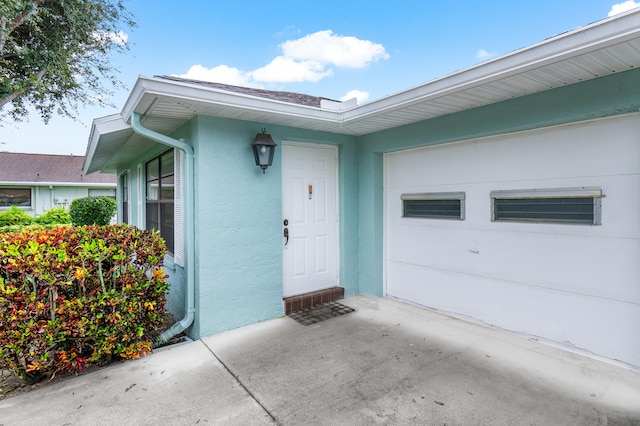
19 20
51 58
6 30
11 96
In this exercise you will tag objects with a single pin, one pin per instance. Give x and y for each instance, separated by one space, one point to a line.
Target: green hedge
92 210
75 296
54 216
14 215
15 219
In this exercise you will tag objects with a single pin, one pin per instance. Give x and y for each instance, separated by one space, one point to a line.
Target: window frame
124 183
24 207
102 192
459 196
158 201
593 193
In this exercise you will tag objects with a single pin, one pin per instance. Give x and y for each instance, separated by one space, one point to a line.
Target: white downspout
189 204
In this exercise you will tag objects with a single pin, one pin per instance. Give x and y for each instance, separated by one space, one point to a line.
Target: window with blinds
124 201
159 196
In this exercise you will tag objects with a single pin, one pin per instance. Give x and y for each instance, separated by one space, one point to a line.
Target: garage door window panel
564 206
433 205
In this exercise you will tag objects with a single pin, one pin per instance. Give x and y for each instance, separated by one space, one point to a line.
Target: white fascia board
330 105
99 127
134 97
140 102
584 40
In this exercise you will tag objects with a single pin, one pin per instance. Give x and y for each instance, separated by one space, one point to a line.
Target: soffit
112 145
604 48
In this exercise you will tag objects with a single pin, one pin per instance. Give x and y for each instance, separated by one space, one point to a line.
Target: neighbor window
159 174
564 205
433 205
20 197
124 192
97 192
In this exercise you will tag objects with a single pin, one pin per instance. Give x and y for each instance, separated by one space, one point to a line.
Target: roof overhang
599 49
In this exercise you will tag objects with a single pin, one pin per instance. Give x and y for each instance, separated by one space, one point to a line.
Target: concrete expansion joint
242 385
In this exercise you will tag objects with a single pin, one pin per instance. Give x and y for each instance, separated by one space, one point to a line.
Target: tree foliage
54 54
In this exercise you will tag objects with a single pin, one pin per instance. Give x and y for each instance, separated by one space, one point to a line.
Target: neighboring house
506 193
38 182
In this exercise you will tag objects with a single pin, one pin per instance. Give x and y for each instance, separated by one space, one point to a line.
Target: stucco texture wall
239 223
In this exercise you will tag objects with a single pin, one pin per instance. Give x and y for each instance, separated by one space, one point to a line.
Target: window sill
169 262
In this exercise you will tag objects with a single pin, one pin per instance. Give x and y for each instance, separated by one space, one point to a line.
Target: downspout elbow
175 329
137 127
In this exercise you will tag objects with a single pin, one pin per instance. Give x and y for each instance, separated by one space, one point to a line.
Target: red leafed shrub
74 296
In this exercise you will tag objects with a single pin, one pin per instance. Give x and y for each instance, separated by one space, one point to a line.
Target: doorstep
307 300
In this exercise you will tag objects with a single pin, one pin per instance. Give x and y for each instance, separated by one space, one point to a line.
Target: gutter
189 206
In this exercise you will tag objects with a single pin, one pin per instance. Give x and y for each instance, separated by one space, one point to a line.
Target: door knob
286 235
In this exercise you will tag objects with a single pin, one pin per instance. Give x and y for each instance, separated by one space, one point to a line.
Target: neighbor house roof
40 169
605 47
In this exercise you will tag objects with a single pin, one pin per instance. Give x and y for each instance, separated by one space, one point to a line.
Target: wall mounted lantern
263 148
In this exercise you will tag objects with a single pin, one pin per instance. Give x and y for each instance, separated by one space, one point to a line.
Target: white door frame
337 199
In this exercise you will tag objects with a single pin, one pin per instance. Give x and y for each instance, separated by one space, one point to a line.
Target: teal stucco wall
239 222
238 244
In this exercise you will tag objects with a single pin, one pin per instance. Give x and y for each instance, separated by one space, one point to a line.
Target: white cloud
361 96
220 74
119 38
484 54
328 48
308 58
285 70
622 7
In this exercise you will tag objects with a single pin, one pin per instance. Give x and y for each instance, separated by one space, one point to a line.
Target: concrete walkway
386 363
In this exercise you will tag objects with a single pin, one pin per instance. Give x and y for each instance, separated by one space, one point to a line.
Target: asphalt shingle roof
15 167
290 97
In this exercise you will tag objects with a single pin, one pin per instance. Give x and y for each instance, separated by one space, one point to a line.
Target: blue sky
335 49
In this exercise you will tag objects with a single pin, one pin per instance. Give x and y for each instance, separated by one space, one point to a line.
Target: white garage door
569 282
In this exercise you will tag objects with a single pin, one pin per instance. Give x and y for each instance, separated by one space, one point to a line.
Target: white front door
310 218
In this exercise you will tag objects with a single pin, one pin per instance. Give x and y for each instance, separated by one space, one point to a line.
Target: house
505 194
38 182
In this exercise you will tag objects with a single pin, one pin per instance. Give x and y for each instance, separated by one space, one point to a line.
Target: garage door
471 229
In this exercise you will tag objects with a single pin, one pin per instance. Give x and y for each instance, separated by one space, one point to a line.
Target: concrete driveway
385 363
